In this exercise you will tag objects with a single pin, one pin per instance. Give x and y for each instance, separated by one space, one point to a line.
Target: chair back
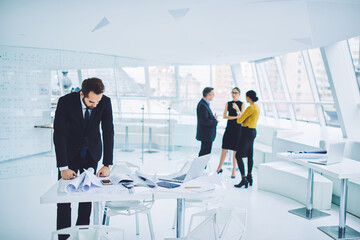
218 224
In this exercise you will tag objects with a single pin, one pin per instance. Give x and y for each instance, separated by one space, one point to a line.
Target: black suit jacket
70 135
206 123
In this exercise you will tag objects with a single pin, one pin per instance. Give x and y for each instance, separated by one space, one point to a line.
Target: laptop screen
197 167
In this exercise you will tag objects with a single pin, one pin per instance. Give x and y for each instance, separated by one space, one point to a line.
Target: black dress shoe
232 176
244 182
220 171
249 178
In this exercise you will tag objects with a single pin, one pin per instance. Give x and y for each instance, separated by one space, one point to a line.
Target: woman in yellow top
248 121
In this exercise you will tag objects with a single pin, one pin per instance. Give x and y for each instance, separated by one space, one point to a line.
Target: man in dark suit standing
78 142
206 122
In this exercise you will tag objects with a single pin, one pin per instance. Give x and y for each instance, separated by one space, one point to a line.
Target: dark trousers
84 210
205 148
246 149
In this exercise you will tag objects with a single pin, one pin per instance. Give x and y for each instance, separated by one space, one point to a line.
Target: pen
191 187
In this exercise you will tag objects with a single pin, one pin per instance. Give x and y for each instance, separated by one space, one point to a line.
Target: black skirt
232 135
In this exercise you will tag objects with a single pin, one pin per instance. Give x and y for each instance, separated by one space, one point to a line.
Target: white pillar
340 71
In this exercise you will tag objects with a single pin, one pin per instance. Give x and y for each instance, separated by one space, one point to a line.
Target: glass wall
289 86
354 45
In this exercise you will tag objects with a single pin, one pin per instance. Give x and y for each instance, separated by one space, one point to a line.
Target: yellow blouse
249 117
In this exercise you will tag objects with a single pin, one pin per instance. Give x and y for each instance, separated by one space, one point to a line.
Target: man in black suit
206 122
78 142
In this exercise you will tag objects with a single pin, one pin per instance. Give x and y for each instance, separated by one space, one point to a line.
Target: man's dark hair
207 90
92 84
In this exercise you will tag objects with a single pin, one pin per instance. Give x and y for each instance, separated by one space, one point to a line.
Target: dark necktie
86 118
86 122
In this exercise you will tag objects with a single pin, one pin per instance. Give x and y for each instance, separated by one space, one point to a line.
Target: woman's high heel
244 182
249 178
220 171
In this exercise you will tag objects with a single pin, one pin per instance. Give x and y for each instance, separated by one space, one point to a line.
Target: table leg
342 231
180 217
308 212
96 212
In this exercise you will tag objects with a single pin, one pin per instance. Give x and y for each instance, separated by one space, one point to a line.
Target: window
321 78
131 81
354 45
323 88
274 80
248 77
306 112
106 75
223 82
162 81
296 77
193 79
263 87
331 116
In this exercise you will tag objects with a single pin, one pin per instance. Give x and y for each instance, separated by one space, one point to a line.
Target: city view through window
292 86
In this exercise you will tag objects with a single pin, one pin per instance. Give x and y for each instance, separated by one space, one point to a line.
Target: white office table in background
342 170
55 196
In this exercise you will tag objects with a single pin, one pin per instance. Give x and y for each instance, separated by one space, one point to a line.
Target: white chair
128 207
91 233
217 224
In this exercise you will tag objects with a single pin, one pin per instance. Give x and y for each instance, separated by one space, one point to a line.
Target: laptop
334 155
195 170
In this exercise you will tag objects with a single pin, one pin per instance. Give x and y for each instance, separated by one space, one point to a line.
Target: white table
54 196
343 170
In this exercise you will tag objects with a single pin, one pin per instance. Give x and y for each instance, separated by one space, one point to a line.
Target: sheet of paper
118 178
74 184
94 180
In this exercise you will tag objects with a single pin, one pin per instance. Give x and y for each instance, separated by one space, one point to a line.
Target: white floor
23 217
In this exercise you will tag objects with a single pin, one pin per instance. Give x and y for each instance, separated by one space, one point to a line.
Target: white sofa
290 180
263 144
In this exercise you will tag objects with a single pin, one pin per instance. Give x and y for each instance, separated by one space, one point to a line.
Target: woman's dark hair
237 89
252 95
206 91
92 84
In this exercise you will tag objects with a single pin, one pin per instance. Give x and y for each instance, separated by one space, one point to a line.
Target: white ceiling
202 32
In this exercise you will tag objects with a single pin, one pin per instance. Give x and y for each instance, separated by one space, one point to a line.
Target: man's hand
68 174
103 172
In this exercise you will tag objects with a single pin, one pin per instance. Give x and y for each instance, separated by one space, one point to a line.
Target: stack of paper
82 183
